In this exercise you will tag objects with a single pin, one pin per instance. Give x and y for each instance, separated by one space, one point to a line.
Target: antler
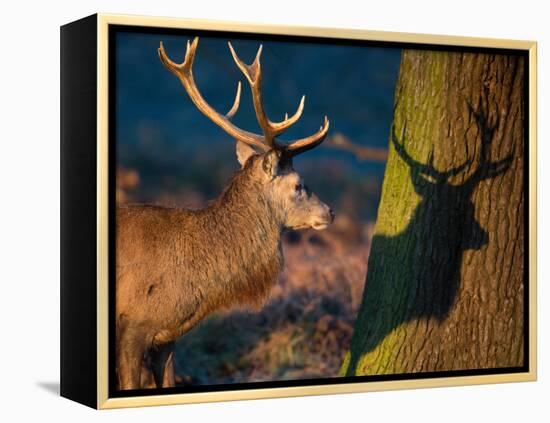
253 74
184 72
487 169
426 169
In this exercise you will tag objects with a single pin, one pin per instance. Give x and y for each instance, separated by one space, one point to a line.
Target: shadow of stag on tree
429 251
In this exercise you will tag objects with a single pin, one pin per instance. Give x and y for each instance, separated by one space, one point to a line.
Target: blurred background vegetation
169 154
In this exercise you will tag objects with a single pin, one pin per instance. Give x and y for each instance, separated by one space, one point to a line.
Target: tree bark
445 283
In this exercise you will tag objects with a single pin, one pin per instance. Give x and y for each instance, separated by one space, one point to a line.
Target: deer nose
332 215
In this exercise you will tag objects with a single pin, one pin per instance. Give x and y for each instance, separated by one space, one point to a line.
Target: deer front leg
162 358
130 351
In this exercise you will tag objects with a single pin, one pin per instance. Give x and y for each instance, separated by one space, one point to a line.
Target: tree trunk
445 283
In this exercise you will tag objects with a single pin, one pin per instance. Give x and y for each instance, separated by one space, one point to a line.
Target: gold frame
103 21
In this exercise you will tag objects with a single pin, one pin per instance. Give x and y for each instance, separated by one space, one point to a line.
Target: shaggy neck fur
247 256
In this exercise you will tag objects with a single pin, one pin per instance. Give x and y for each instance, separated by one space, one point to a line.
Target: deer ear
244 152
270 163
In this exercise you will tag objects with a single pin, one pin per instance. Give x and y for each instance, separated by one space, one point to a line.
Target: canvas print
305 210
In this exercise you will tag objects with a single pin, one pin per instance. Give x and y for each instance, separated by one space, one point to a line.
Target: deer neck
248 231
245 212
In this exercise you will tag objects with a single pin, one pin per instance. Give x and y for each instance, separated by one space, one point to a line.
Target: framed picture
253 211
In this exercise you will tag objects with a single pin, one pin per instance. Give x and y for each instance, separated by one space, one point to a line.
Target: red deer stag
176 266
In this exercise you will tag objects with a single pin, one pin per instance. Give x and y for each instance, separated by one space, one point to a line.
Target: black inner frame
112 160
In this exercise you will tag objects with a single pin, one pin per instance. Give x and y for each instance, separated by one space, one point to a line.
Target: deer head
267 159
436 186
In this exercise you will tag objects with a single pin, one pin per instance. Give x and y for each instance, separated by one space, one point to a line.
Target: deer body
229 250
228 254
176 266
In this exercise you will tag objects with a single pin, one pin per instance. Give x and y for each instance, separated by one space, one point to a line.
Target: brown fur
175 266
